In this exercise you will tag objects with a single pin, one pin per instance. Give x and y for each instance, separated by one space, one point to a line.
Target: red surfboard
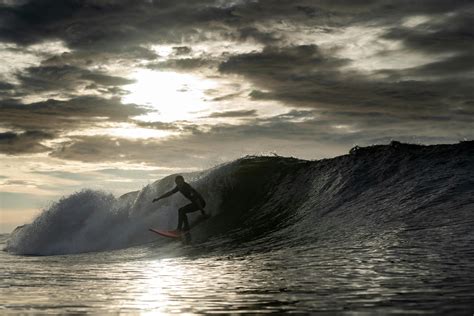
166 233
176 234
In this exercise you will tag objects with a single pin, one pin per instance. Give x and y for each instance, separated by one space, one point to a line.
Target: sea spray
73 224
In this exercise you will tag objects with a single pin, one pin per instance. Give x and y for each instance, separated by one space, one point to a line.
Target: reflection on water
371 278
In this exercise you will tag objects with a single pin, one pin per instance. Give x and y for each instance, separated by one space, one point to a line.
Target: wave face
401 192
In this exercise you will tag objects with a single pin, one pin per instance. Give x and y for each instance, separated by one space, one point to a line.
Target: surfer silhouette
197 201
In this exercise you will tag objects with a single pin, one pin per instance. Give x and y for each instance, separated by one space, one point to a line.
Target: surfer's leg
185 222
182 218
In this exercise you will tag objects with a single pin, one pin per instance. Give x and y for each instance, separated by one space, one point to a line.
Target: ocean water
382 230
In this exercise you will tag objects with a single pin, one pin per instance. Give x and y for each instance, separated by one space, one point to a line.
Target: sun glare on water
175 96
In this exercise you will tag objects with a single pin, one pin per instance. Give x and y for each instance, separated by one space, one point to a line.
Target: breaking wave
400 191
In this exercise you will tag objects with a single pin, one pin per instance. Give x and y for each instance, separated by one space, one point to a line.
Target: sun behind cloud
174 96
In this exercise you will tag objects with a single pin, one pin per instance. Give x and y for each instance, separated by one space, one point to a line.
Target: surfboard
176 234
166 233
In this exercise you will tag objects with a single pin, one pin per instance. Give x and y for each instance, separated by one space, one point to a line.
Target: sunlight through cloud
174 96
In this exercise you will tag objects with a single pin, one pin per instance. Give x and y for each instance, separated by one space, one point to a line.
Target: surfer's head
179 180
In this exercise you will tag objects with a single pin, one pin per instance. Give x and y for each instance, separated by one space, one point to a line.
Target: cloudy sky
114 94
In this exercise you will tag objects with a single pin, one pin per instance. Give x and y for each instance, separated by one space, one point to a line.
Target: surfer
197 201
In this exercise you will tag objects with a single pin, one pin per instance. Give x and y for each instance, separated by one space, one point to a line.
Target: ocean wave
260 203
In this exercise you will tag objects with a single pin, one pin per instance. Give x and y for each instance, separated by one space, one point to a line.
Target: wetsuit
197 203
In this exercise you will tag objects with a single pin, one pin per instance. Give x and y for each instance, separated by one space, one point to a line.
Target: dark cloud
182 50
183 64
293 61
5 86
104 149
7 90
120 26
87 59
159 125
304 76
178 126
242 113
106 25
225 97
456 67
251 32
65 79
28 142
65 115
439 34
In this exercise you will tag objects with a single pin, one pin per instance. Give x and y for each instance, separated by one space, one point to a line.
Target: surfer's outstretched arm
166 194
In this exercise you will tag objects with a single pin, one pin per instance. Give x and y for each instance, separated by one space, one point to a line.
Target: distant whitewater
409 193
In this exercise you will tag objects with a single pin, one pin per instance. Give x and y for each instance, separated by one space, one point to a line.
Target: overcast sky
114 94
